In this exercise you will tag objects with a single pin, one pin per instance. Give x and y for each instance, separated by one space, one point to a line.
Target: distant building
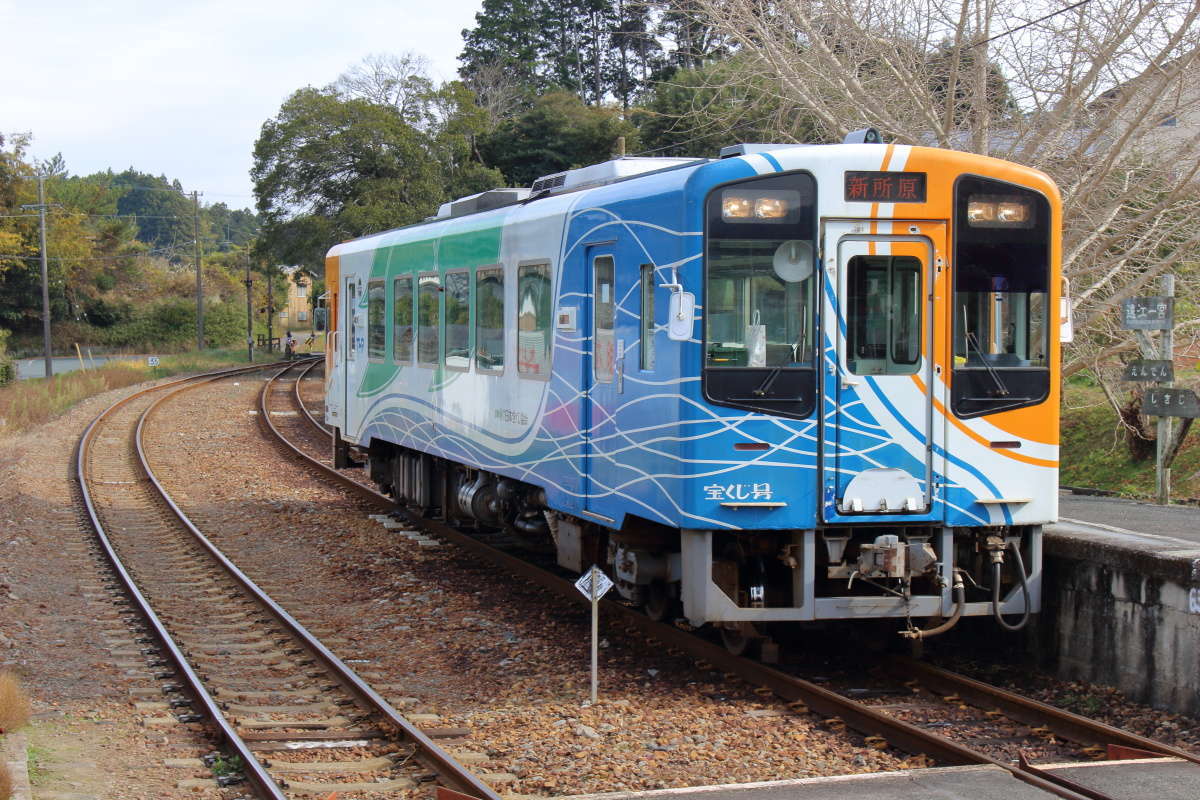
297 314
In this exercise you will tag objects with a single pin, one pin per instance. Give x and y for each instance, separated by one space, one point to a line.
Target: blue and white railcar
793 383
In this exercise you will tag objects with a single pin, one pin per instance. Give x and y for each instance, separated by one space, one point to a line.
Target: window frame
381 284
648 283
610 375
423 278
522 267
481 273
445 320
412 315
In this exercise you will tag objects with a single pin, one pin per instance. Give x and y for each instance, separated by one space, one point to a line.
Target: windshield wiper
766 384
971 341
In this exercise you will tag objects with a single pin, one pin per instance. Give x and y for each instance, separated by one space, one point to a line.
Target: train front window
1001 297
760 296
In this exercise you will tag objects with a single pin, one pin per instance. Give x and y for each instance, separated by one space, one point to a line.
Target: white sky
181 88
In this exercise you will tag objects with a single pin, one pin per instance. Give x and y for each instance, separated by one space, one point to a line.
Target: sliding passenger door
603 376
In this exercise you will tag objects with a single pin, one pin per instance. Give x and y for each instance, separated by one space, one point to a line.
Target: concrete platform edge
14 753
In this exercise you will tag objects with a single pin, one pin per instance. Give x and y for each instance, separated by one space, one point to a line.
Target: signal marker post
593 585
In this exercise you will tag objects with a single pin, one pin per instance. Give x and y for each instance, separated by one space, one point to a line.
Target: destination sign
1148 313
1171 403
885 187
1147 370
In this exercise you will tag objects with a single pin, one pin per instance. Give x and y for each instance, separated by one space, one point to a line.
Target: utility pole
270 309
249 314
199 272
41 205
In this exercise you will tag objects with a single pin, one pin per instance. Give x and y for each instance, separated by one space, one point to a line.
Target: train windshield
1001 297
760 296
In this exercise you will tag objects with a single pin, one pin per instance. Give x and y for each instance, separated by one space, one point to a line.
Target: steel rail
1069 726
300 400
861 717
254 770
429 753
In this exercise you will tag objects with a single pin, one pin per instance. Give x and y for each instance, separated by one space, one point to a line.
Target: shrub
8 371
171 324
14 703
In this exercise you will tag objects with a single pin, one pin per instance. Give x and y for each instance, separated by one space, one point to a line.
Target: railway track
993 724
291 718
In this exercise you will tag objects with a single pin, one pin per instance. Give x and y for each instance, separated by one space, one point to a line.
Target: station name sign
1147 370
1148 313
1171 403
885 187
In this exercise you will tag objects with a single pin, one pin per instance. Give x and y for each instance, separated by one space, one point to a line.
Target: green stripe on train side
456 250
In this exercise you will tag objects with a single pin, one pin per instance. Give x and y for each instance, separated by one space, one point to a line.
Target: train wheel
740 638
660 601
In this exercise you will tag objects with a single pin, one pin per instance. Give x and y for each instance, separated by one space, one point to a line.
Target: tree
559 132
1095 95
328 168
398 80
698 111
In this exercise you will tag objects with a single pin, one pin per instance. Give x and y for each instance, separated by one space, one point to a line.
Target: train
785 384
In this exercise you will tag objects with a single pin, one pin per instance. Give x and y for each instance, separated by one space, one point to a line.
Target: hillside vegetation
1095 453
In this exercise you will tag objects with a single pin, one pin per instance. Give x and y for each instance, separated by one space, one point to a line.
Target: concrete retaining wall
1124 611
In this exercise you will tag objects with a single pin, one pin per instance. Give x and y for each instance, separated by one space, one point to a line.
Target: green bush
8 371
171 324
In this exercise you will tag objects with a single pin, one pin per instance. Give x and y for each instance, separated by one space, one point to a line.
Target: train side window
604 303
429 315
458 320
489 319
646 345
376 321
402 320
534 317
883 315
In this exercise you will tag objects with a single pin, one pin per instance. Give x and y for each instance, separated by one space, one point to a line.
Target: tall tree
329 168
559 132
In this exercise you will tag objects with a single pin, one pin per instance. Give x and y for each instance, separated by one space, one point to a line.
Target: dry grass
29 403
14 703
5 782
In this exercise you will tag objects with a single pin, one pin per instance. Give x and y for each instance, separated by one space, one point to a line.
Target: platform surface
1131 517
1161 779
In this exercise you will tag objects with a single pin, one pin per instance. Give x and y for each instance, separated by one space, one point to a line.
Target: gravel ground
58 633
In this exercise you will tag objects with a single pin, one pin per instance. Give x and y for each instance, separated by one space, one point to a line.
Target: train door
602 384
353 344
880 448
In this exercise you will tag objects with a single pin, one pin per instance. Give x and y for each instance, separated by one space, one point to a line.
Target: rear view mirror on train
682 316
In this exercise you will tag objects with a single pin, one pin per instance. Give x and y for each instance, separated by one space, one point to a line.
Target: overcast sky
181 88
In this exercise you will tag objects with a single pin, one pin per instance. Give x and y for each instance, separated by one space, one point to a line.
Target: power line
1011 31
146 254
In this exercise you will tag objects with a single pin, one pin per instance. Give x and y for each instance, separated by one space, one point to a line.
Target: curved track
1021 718
281 690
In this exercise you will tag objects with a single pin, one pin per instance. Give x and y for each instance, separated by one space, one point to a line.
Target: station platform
1159 778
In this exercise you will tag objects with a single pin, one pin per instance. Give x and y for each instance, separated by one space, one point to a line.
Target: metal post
199 277
45 279
595 631
270 309
1163 434
249 315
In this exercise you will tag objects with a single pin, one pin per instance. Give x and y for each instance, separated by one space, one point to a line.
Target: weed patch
14 703
27 404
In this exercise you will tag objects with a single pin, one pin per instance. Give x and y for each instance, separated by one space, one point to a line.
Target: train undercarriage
741 582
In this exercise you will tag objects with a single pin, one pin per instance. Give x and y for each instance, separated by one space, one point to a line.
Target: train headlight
736 207
990 211
765 205
770 208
